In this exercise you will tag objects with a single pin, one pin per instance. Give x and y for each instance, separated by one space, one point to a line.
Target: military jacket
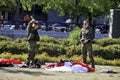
32 33
86 34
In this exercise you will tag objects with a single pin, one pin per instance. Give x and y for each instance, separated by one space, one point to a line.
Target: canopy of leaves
7 3
96 7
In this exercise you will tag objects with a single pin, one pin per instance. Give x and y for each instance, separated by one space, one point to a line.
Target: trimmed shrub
76 58
47 39
73 50
12 47
4 46
74 36
64 42
115 62
3 38
109 52
104 48
112 51
46 58
21 57
107 41
51 49
5 55
20 40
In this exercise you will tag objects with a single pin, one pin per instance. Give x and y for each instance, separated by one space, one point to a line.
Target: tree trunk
90 18
17 14
76 13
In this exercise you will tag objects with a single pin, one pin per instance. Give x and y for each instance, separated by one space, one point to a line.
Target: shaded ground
14 73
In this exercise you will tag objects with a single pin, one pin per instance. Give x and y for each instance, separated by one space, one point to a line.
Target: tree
2 3
87 8
67 6
7 3
90 9
27 4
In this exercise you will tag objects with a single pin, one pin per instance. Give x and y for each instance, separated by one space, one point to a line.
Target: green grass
8 73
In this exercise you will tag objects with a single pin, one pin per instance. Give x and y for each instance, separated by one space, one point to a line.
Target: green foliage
109 52
99 60
7 3
76 58
113 50
5 55
19 40
47 39
51 49
96 7
27 4
73 50
8 55
4 46
114 62
3 38
104 48
45 57
107 41
64 42
74 36
22 57
15 47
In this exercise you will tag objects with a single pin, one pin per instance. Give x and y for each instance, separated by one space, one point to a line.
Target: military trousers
32 50
87 50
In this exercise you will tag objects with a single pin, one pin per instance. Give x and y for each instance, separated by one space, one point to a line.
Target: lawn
15 73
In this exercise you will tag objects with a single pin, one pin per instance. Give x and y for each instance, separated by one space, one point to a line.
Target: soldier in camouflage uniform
33 37
86 37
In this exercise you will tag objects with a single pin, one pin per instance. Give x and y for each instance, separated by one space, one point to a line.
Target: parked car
103 29
43 26
59 27
9 25
12 25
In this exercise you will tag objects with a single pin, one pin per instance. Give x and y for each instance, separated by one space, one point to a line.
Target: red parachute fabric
9 61
85 65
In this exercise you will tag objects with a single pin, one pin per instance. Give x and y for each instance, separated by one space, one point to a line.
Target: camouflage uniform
33 37
87 34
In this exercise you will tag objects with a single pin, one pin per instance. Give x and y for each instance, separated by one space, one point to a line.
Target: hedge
107 41
105 48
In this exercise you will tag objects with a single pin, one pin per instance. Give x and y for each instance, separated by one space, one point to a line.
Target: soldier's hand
85 41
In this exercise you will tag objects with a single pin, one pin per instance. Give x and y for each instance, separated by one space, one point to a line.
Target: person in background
33 37
67 23
86 37
1 22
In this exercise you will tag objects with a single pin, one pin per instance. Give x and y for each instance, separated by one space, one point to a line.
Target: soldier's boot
92 63
85 58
